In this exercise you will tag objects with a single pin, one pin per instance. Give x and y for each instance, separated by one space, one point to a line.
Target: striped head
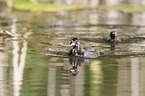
75 42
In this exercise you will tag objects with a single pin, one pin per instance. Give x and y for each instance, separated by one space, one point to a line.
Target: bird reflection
76 62
113 44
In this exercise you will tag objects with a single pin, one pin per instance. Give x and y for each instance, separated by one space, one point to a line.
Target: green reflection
126 8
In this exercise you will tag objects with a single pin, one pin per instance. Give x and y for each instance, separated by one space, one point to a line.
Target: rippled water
35 61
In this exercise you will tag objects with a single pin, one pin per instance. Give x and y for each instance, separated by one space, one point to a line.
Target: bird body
86 52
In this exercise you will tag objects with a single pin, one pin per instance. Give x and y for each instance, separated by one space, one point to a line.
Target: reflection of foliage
37 6
126 8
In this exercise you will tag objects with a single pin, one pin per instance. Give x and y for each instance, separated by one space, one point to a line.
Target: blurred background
35 63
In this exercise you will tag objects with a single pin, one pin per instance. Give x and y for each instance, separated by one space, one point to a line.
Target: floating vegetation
126 8
44 7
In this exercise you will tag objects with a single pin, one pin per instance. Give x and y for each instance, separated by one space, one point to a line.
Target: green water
35 61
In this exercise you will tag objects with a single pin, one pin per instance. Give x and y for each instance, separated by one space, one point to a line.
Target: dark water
35 62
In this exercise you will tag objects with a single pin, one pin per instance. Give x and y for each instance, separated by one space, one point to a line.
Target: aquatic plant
33 5
125 8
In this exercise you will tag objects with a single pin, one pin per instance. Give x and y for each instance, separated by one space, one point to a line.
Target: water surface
35 61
